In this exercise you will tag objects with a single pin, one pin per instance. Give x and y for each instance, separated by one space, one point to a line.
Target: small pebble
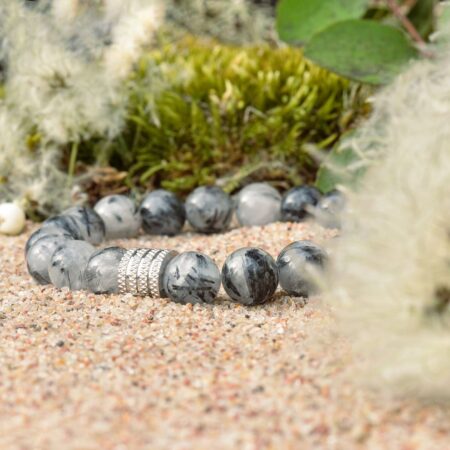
101 270
68 264
191 277
209 209
12 219
298 203
250 276
120 216
299 265
162 213
40 253
258 204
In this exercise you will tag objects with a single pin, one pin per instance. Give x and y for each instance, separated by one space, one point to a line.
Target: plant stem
72 162
409 27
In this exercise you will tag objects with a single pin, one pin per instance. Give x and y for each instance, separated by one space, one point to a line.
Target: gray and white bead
250 276
68 264
258 204
298 203
39 255
45 232
89 222
120 216
209 209
329 209
299 265
68 224
101 270
162 213
191 277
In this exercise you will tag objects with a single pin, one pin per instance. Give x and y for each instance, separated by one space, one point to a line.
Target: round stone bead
163 213
39 255
191 277
298 266
89 222
258 204
250 276
329 209
68 264
66 223
44 232
120 216
209 209
298 203
101 270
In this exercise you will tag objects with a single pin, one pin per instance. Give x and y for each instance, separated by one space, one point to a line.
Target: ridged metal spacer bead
144 266
156 270
122 270
132 271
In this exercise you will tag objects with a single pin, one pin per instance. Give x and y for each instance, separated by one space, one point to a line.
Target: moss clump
202 112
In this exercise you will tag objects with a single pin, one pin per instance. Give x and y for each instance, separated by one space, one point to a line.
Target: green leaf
362 50
299 20
336 169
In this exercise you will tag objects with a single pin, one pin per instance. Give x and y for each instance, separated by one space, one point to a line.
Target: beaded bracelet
61 251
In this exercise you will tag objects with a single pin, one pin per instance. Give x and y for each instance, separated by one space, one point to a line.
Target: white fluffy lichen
66 62
232 21
390 277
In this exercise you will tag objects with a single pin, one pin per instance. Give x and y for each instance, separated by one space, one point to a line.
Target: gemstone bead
329 209
39 255
163 213
209 209
62 222
258 204
191 277
298 203
298 266
68 264
44 232
120 216
250 276
101 270
89 222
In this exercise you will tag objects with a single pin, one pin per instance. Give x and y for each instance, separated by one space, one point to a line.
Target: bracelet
61 252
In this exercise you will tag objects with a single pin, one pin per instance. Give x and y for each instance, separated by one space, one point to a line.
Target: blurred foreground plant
390 272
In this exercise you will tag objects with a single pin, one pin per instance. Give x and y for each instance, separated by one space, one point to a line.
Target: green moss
201 111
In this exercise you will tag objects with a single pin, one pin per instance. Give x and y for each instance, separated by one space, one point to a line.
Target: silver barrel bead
140 271
156 270
122 270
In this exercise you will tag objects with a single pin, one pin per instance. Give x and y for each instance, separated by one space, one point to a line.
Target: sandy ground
79 371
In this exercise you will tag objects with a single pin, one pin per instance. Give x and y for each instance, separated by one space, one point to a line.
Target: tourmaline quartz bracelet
62 251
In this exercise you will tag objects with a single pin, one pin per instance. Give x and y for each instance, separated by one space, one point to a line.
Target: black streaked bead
298 203
299 265
250 276
162 213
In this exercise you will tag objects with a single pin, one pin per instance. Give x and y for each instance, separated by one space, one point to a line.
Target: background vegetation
202 112
101 97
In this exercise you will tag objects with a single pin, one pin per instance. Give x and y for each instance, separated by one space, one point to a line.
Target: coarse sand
84 371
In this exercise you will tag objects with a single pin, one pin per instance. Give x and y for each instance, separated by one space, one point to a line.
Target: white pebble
12 219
